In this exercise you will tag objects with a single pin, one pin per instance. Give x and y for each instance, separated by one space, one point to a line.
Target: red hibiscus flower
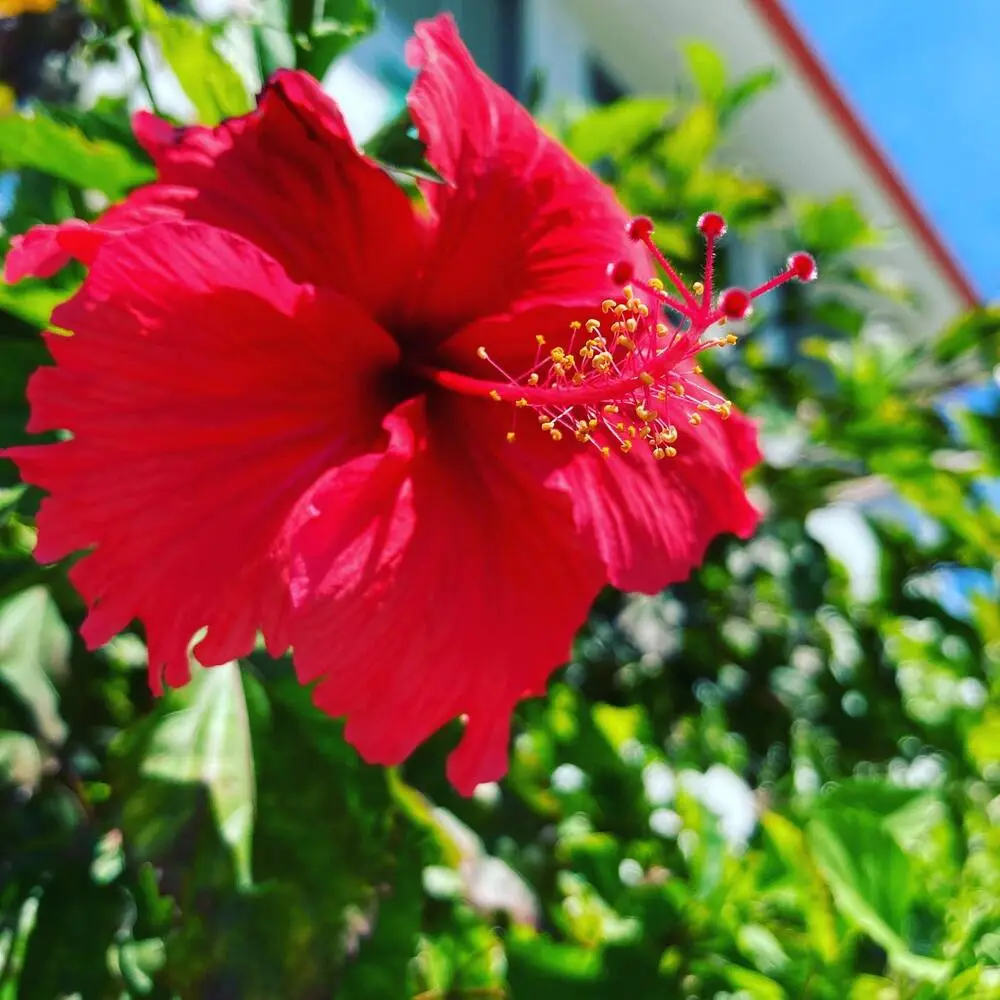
289 394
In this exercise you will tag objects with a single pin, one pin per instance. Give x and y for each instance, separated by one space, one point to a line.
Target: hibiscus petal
287 177
205 392
652 521
440 579
519 222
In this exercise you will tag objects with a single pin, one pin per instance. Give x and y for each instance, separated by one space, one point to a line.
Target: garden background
778 780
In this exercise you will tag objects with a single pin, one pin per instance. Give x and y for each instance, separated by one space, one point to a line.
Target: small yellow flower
13 8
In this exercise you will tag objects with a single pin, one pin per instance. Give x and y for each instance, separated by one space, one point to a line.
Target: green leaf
203 736
835 226
212 85
753 984
337 793
984 741
74 928
63 151
708 70
872 881
687 147
33 301
867 872
744 91
977 331
34 652
615 130
381 966
328 30
396 145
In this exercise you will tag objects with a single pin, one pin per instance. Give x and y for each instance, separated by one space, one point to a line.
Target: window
604 89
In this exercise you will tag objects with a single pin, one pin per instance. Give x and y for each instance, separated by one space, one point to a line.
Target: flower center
630 378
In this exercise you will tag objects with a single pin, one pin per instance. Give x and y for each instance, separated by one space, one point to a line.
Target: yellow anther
632 431
603 362
533 378
670 452
698 370
633 304
694 419
547 425
481 353
642 309
646 379
495 395
659 453
631 325
608 305
557 354
511 437
578 378
628 292
610 407
620 426
724 409
731 338
582 436
593 325
668 435
703 406
592 423
662 329
621 309
698 288
605 452
656 284
677 389
556 435
540 340
660 395
627 342
645 414
626 446
522 402
575 325
569 361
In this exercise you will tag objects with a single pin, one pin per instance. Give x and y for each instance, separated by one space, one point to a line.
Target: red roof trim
802 55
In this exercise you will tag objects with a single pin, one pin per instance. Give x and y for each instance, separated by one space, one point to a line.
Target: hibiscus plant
434 570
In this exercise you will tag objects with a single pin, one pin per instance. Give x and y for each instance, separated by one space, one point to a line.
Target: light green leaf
37 142
34 650
208 741
617 129
212 85
688 146
984 741
321 36
32 300
754 984
872 882
708 70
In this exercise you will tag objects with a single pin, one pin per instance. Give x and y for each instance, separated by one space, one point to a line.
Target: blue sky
925 76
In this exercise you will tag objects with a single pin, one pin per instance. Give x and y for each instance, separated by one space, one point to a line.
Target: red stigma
628 376
621 272
734 303
712 225
640 228
803 266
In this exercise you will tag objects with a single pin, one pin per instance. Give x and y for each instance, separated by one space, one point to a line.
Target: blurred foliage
778 780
